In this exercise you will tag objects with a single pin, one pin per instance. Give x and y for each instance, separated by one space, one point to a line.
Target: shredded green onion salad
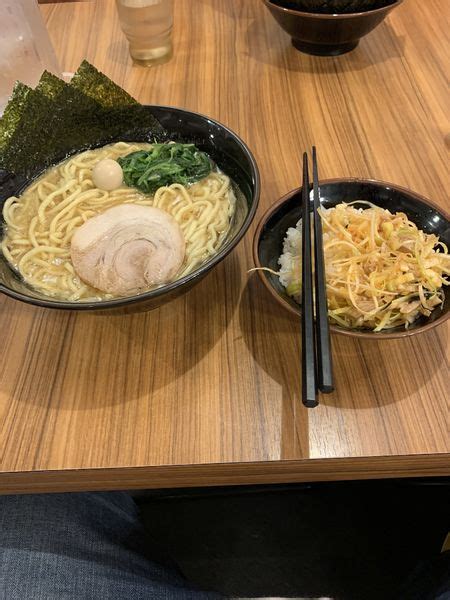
381 270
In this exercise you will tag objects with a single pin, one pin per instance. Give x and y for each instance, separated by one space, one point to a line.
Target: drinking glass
25 47
147 25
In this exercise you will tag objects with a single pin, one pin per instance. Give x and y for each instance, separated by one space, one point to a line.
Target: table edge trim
242 473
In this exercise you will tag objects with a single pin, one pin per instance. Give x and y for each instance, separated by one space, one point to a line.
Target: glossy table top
206 390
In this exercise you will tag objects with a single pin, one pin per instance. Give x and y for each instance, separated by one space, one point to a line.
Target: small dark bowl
225 148
327 34
333 7
271 231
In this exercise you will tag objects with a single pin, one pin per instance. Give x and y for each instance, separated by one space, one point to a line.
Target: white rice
292 249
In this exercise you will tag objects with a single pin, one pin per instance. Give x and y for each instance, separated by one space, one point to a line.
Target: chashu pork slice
128 248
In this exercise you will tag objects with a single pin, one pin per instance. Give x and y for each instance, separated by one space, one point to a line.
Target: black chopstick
324 363
309 385
316 349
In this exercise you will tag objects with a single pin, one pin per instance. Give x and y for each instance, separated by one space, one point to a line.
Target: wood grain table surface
206 390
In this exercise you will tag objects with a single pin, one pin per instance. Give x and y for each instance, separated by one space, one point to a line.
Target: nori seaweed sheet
57 119
13 113
50 86
54 120
101 88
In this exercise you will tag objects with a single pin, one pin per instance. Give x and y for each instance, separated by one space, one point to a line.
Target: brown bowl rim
335 328
301 13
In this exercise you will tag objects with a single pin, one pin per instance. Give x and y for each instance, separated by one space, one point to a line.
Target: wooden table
205 391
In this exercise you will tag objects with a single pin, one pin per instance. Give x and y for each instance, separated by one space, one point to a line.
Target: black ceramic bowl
333 6
271 231
327 34
226 149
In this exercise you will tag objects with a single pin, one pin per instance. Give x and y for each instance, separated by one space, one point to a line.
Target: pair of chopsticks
316 349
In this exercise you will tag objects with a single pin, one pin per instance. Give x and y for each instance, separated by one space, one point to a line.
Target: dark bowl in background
271 231
328 34
333 6
229 152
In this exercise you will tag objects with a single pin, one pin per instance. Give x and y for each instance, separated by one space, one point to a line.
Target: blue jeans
83 546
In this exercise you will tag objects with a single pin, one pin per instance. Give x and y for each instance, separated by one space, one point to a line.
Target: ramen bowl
225 148
271 231
326 34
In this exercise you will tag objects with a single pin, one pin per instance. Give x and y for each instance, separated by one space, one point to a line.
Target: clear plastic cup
147 25
25 47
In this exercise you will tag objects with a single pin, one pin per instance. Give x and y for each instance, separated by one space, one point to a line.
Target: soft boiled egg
107 174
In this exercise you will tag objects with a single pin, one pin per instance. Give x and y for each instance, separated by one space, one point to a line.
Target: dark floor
347 540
